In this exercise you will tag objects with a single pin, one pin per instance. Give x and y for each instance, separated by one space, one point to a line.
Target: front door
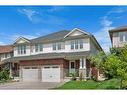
72 67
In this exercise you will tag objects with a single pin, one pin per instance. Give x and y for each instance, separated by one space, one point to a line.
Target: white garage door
30 74
51 74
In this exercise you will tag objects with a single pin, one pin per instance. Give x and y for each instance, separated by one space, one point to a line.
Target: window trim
76 44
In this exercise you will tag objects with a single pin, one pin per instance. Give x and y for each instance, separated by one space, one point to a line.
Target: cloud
117 10
43 16
2 43
102 35
56 8
106 24
29 13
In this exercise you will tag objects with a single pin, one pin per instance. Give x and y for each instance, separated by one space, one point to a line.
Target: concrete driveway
29 85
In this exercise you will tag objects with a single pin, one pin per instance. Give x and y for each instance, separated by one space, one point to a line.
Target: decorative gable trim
21 38
75 30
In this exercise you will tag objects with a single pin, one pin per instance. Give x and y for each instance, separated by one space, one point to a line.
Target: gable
76 32
21 40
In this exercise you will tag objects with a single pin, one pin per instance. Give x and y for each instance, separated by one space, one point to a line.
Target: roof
121 28
49 56
6 49
118 29
53 37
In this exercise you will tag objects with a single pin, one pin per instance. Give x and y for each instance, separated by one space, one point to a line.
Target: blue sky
35 21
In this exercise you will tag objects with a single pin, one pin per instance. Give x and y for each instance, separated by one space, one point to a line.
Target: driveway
29 85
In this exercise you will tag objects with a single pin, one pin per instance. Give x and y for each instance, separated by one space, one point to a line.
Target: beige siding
116 40
93 48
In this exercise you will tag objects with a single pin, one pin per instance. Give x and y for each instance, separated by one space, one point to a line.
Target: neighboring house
118 36
53 57
6 52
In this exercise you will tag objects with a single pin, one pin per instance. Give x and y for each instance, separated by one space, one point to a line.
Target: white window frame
55 46
124 36
21 49
76 44
38 47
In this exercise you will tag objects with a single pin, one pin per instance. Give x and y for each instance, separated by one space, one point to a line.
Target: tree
115 67
98 59
112 65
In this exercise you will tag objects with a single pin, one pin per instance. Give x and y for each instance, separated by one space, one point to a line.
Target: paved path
29 85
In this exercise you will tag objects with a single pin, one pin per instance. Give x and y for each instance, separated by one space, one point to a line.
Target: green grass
90 84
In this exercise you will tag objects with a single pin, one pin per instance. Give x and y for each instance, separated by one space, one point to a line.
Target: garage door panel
51 74
30 74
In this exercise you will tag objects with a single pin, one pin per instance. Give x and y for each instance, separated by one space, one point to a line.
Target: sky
35 21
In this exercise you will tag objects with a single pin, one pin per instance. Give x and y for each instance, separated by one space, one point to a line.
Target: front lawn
90 84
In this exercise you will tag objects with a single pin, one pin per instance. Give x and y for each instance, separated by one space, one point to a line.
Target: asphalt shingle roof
6 49
49 56
119 28
57 36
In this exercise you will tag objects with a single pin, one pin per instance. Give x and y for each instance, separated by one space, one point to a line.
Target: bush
73 75
124 84
4 74
94 78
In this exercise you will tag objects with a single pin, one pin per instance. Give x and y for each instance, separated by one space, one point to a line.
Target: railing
68 74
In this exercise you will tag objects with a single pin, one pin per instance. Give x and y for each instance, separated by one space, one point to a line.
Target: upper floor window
38 47
21 49
77 44
58 46
54 46
123 36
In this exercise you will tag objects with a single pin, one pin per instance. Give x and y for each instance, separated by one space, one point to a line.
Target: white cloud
29 13
117 10
56 8
106 22
2 43
103 36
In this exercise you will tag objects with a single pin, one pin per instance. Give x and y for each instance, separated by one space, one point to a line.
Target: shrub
94 78
73 75
4 74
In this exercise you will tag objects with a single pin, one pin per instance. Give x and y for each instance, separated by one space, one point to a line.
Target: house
118 36
53 57
6 51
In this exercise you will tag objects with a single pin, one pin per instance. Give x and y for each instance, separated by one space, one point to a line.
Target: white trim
84 63
20 38
80 63
70 66
74 30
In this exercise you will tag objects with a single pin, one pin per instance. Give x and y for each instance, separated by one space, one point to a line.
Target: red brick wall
94 72
61 62
77 64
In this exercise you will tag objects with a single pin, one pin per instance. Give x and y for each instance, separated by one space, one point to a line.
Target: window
21 49
72 44
72 65
54 46
123 36
81 44
77 44
58 46
38 47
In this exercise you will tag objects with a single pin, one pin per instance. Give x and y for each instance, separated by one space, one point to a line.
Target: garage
30 74
51 73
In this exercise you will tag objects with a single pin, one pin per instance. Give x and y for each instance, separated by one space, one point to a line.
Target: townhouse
53 57
118 36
